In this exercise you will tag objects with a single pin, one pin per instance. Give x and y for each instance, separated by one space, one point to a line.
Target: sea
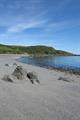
67 63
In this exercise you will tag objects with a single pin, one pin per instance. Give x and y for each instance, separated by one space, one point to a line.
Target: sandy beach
52 99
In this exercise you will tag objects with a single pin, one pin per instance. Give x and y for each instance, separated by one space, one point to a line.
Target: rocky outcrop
33 77
7 78
20 73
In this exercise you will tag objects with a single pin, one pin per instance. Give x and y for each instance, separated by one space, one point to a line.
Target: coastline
70 70
52 98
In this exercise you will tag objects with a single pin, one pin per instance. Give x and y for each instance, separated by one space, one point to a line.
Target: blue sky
41 22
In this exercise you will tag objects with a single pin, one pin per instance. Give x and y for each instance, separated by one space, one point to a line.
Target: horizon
40 22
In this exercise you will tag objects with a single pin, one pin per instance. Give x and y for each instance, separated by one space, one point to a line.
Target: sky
53 23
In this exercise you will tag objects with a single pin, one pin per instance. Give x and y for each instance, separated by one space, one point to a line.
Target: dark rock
20 73
33 77
64 79
7 65
7 78
15 64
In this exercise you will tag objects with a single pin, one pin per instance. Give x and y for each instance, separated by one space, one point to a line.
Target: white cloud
23 26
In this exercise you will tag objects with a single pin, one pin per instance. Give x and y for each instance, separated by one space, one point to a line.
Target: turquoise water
59 62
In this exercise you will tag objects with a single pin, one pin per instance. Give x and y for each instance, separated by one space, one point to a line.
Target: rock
64 79
33 77
20 73
15 64
7 78
7 65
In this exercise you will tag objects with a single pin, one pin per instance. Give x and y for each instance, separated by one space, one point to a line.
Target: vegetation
33 50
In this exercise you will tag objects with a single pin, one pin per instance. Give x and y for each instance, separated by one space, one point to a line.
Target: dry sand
52 99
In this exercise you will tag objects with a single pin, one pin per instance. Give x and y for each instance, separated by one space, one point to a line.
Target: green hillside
33 50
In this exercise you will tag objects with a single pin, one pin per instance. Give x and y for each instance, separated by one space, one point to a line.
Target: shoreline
75 71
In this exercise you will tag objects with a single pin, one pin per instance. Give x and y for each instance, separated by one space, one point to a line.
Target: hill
33 50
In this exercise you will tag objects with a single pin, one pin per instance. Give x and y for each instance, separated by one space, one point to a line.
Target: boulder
7 78
33 77
15 64
7 65
20 73
64 79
